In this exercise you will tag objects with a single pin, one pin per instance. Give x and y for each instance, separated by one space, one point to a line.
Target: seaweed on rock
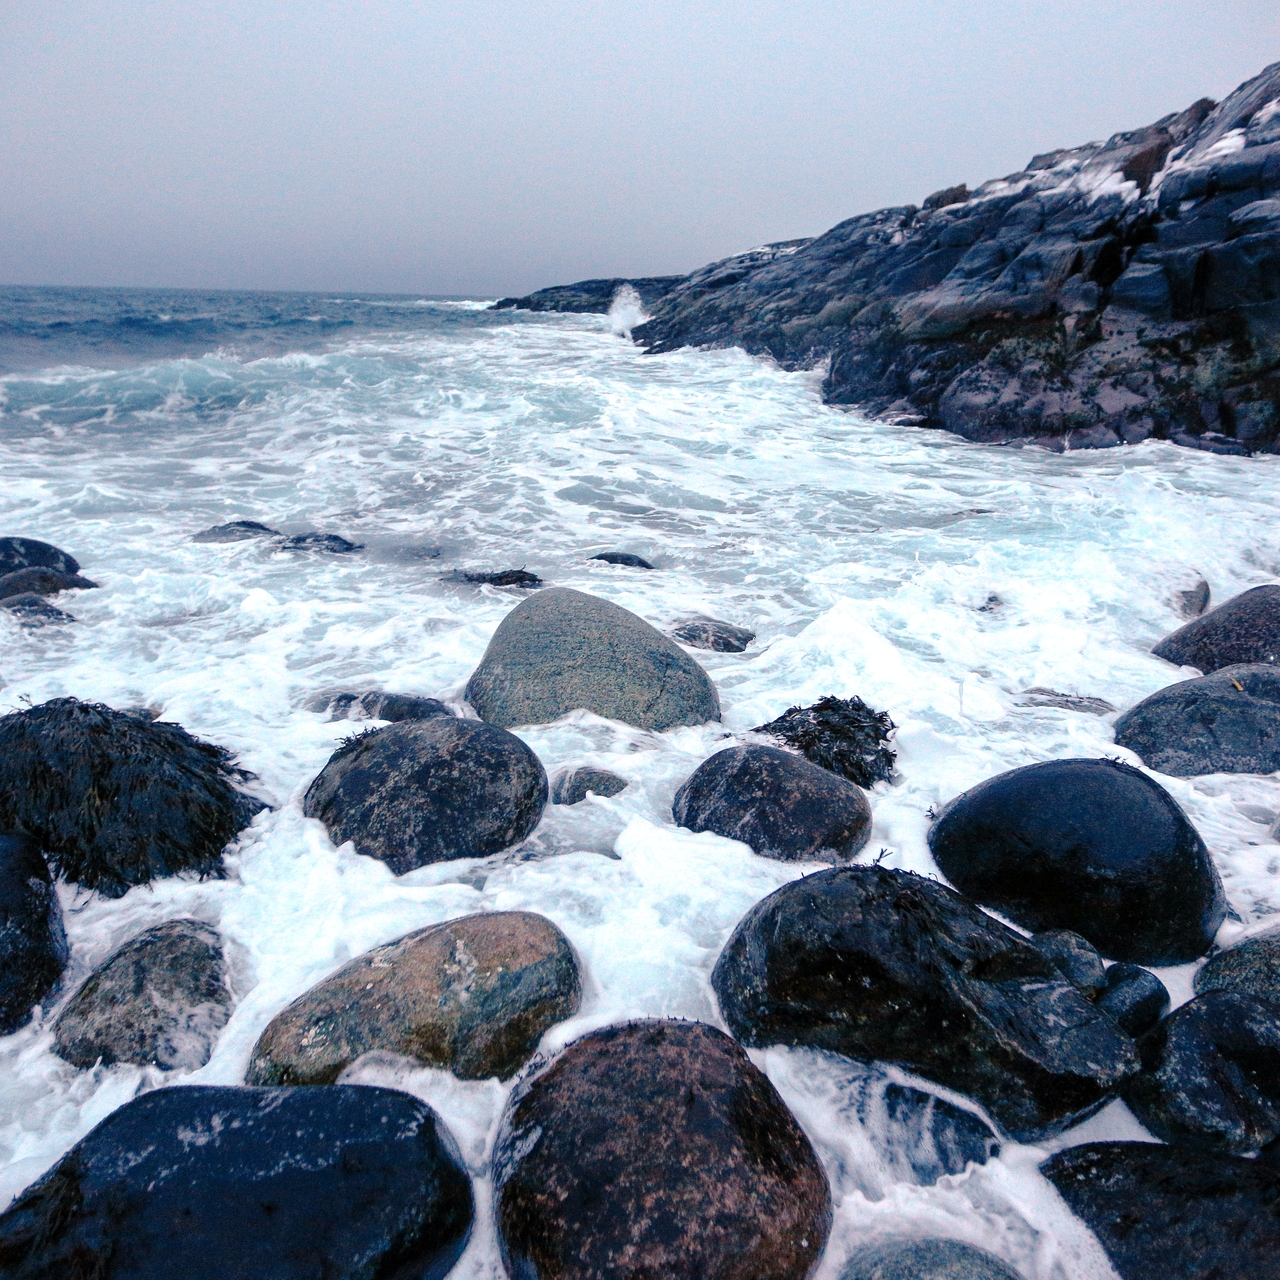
841 734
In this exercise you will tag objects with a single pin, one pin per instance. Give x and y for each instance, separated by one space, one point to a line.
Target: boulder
378 706
777 802
925 1260
41 582
33 942
330 543
115 800
502 578
884 965
24 553
562 649
32 610
711 633
1228 722
1040 697
206 1182
1245 630
624 558
1170 1213
1211 1074
1074 957
1134 997
160 1000
1093 846
656 1149
1251 966
572 786
841 734
1194 600
425 791
237 531
473 996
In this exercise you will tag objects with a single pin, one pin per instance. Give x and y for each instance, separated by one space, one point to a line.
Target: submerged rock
1039 697
882 965
1244 630
590 296
24 553
1251 966
473 996
925 1260
1093 846
115 800
1134 997
778 803
1211 1074
378 706
656 1149
1170 1213
330 543
41 582
160 1000
624 558
1074 957
1193 601
207 1182
33 610
711 633
561 650
237 531
426 791
503 578
571 787
33 942
841 734
1228 722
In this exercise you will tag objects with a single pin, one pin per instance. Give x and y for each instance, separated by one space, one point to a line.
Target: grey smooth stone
624 558
561 650
41 582
160 1000
22 553
1075 958
1246 629
1134 997
1227 722
1251 966
571 787
711 633
925 1260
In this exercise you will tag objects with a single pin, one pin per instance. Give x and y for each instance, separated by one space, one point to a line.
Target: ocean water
937 579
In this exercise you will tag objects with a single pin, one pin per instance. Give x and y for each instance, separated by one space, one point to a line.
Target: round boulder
1211 1074
1251 966
24 553
161 1000
1093 846
925 1260
33 942
562 650
204 1182
778 803
1244 630
1228 722
880 965
711 633
473 995
572 786
1134 997
41 582
115 800
656 1149
426 791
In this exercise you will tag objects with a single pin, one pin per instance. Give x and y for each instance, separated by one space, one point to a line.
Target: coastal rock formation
473 996
882 965
160 1000
1094 846
711 633
209 1182
1244 630
1251 966
1170 1213
30 553
778 803
33 942
1134 997
1228 722
425 791
841 734
115 800
41 582
656 1149
563 649
590 296
925 1260
571 787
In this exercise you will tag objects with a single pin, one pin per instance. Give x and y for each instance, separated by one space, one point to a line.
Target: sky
479 148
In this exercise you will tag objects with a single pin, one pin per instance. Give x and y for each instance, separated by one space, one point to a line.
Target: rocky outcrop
1169 1213
425 791
656 1149
561 650
206 1182
1094 846
33 942
1251 966
473 996
925 1260
590 296
841 734
114 800
572 786
776 802
41 582
711 633
161 1000
882 965
1244 630
30 553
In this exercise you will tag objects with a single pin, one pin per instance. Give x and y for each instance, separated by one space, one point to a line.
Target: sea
937 579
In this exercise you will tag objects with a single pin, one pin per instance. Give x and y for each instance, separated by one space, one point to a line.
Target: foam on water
934 578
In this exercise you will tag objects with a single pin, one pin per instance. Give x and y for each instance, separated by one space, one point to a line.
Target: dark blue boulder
33 943
24 553
1134 997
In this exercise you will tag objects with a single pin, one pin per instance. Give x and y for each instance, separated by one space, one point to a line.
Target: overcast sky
473 147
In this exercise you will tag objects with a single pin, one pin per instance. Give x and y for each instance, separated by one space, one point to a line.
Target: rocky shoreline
1106 294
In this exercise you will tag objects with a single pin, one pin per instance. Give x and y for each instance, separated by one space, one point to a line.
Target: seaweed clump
841 734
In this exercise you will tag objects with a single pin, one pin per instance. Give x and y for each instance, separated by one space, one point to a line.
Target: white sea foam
935 578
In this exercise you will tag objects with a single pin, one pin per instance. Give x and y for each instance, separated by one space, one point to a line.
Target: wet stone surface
1246 629
1251 966
571 787
33 941
925 1260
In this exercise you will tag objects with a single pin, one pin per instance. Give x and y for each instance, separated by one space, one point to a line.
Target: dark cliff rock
590 296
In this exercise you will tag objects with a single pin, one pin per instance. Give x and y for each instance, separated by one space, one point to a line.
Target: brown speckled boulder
472 995
1244 629
656 1149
